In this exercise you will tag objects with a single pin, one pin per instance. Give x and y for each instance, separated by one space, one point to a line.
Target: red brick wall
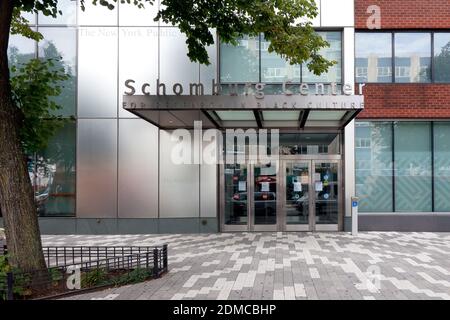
406 101
401 14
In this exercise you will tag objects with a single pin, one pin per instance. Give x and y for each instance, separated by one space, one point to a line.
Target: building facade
111 169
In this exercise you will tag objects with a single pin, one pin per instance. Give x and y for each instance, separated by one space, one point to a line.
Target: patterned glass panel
373 150
412 153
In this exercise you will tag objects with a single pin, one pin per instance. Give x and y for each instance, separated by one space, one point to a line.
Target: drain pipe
355 202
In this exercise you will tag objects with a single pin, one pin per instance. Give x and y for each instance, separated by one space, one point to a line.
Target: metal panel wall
97 72
175 66
209 180
337 13
138 169
97 168
179 189
208 73
138 52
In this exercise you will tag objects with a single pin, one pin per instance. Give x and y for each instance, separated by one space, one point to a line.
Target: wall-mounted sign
249 89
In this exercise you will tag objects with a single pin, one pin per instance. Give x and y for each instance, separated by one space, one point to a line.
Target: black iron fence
72 269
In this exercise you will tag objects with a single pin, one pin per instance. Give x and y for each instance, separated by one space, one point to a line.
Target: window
240 63
334 53
412 153
373 148
413 53
442 166
419 180
68 16
442 57
61 42
53 170
413 56
250 61
374 57
20 50
52 173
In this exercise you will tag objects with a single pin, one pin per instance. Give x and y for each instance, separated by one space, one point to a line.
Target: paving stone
338 266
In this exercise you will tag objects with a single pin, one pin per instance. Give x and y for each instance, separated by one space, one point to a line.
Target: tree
295 41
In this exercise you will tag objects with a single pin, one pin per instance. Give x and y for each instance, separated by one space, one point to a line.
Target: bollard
355 202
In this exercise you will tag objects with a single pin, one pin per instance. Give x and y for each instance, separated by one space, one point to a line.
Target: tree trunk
16 194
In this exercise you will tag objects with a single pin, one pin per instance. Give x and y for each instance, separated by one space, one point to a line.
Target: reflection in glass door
236 209
265 197
297 186
326 197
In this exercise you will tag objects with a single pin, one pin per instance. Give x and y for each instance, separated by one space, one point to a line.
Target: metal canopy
221 112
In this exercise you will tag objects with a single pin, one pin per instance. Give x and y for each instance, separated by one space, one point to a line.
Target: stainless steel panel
208 73
97 168
138 52
175 66
179 183
349 167
97 72
209 181
337 13
138 169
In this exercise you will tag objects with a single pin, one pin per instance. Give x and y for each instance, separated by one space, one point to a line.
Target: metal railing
116 263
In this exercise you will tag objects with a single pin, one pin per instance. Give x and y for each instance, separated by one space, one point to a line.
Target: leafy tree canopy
283 23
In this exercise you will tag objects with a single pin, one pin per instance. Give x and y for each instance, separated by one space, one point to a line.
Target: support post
355 203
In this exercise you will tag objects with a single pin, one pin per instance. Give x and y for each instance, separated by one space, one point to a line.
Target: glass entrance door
265 197
235 200
296 206
310 195
326 195
288 195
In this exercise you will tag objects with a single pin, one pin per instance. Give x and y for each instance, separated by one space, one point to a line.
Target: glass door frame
311 160
340 198
281 225
232 227
251 201
283 205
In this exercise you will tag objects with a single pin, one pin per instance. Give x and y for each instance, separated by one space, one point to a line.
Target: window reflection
61 43
373 167
20 50
441 166
313 143
412 148
332 53
52 173
442 57
412 57
276 69
68 16
240 63
373 61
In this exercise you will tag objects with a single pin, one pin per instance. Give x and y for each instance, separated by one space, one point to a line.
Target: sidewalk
288 266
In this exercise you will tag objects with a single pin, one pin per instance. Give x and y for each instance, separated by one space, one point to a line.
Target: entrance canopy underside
221 112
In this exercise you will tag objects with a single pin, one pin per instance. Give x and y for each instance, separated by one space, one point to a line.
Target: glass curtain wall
410 54
53 170
250 61
403 166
